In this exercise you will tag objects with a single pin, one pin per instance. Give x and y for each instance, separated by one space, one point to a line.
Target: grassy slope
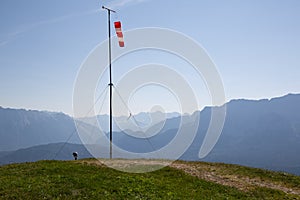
78 180
244 178
285 179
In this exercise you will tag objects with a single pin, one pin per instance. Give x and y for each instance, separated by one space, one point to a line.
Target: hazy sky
255 44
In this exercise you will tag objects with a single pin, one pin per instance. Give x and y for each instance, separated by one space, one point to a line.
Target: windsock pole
110 82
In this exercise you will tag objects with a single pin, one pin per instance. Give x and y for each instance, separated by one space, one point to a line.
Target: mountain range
258 133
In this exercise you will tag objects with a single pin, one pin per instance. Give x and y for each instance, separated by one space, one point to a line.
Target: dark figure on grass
75 155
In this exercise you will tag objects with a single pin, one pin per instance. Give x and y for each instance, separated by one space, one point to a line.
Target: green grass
78 180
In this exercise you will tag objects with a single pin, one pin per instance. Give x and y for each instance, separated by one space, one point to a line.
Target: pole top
103 7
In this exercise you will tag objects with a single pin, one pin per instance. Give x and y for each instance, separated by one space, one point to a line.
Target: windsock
119 33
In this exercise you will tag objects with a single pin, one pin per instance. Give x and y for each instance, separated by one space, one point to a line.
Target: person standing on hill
75 155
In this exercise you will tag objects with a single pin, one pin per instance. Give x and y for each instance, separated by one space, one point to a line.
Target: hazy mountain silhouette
21 128
258 133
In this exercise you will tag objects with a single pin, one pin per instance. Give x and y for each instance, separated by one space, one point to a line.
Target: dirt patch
240 182
132 166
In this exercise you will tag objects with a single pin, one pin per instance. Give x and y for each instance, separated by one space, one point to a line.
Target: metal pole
110 83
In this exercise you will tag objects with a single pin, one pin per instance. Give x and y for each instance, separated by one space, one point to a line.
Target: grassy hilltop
88 179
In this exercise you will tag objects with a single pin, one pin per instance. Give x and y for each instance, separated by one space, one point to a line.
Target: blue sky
255 44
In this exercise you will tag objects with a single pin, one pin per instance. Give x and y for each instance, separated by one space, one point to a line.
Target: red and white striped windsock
119 33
